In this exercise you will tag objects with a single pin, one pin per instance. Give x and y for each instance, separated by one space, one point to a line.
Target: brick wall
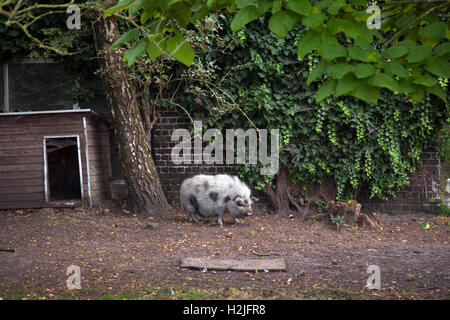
172 175
419 196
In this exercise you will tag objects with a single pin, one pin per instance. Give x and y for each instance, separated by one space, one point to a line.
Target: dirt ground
127 257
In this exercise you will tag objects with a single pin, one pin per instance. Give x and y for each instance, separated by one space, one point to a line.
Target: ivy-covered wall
420 196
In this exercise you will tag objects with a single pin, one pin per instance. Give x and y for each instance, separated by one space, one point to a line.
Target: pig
212 196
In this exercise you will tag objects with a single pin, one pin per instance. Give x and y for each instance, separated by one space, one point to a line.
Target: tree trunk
280 195
284 195
145 194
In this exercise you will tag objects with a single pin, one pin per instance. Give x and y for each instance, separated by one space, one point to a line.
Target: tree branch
395 3
398 34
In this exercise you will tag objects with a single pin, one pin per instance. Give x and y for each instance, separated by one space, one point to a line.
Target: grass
176 292
183 292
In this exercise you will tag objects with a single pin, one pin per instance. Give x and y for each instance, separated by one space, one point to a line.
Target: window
34 85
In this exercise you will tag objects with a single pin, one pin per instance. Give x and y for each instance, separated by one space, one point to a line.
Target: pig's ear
254 199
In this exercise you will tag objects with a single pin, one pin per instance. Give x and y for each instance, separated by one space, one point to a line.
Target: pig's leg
220 213
193 208
193 217
236 220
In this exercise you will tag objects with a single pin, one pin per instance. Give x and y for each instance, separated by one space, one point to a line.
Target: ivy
358 144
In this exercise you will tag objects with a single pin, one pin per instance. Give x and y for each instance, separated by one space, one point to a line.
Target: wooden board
234 265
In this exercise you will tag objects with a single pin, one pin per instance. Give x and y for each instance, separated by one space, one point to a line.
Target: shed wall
22 155
99 159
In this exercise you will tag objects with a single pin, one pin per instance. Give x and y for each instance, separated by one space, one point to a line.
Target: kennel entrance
62 169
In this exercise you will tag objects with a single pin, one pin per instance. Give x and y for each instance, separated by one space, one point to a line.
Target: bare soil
125 256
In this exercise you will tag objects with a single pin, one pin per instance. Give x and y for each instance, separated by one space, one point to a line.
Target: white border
46 186
44 112
88 172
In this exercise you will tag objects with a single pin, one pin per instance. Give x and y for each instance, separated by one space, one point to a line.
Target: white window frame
5 88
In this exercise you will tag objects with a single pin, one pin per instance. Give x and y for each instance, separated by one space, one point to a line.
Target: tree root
285 194
350 213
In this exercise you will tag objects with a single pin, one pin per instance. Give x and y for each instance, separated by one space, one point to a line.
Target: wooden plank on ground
234 265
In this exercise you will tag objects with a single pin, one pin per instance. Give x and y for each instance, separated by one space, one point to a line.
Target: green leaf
437 91
323 4
308 43
263 6
395 52
360 16
433 31
337 25
396 69
276 6
314 20
363 70
243 17
152 50
317 72
418 95
364 55
362 43
367 93
122 4
146 15
406 86
282 22
199 15
439 67
196 7
419 54
325 89
180 49
134 8
405 20
425 80
335 6
135 52
384 80
327 37
127 37
302 7
442 49
359 2
181 13
339 70
243 3
346 84
331 51
410 44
